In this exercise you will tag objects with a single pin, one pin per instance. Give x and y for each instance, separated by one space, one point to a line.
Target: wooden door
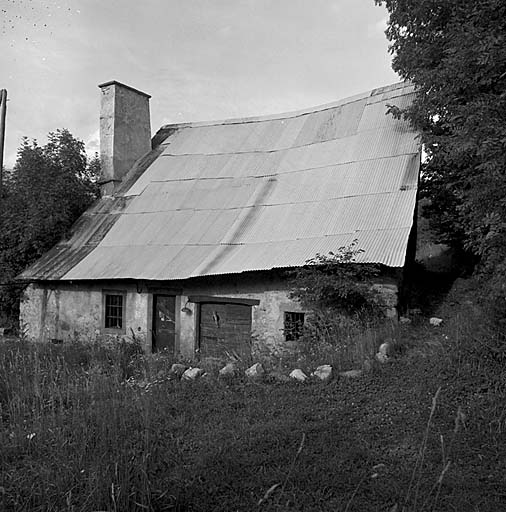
164 323
225 330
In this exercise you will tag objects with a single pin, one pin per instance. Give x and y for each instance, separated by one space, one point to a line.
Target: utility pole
3 112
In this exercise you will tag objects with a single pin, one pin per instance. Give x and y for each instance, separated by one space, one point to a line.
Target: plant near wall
341 299
335 281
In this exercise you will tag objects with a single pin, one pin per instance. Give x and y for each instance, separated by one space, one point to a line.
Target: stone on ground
193 373
229 370
177 370
385 349
384 352
323 372
435 321
255 371
298 374
382 358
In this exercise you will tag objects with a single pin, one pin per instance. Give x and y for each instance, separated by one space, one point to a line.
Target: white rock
351 374
384 349
382 358
177 370
298 374
435 321
255 371
229 370
323 372
192 373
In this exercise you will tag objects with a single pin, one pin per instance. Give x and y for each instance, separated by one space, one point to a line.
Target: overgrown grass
103 428
345 342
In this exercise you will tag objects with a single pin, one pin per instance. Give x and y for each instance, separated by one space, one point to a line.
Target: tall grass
74 434
97 427
345 342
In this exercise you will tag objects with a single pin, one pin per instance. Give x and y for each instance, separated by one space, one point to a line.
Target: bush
334 282
343 306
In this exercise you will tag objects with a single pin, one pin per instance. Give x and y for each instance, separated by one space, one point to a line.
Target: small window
294 324
114 311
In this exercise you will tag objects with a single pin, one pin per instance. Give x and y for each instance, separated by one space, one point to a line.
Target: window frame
123 295
294 331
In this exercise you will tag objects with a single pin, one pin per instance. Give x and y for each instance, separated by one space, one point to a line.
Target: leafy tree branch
49 187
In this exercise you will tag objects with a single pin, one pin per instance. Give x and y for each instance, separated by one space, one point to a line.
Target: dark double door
164 323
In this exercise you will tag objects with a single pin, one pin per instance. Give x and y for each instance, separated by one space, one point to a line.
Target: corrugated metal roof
86 234
261 193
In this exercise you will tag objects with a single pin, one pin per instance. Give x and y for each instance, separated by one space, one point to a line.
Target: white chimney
125 131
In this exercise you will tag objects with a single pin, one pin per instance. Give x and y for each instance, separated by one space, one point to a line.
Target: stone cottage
186 248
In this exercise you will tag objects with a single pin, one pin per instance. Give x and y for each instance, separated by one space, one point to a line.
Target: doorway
164 324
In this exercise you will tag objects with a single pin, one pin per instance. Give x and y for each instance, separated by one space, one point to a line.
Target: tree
455 54
48 189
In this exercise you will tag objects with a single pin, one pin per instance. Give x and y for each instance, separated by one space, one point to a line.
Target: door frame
198 300
177 318
196 341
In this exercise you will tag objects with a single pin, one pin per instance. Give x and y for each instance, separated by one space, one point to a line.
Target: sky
198 59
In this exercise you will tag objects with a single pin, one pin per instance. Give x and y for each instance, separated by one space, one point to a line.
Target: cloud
92 143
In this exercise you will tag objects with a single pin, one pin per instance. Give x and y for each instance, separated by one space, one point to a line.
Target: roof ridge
288 115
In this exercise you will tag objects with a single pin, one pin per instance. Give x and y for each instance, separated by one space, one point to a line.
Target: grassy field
103 428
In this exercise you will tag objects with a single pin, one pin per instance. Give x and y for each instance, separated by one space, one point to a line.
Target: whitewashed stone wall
75 311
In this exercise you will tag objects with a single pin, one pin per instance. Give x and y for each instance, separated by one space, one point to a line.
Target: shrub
343 306
334 282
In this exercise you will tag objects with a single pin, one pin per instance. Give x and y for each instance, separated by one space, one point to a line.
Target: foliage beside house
48 189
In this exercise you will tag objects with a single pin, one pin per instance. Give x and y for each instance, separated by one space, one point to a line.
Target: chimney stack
125 132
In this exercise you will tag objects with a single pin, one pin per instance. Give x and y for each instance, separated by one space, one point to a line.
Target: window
114 311
294 324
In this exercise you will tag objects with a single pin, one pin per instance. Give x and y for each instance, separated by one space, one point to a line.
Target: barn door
164 323
224 330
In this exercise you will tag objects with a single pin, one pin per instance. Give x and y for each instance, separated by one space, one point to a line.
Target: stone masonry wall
267 318
74 312
64 311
